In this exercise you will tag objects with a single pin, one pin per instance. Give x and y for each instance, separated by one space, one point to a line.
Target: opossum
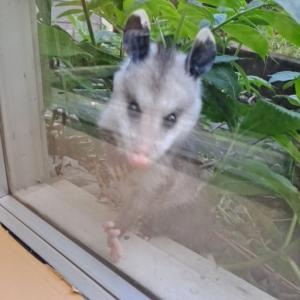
155 104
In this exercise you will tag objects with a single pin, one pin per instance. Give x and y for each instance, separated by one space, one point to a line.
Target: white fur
205 34
177 90
143 17
158 95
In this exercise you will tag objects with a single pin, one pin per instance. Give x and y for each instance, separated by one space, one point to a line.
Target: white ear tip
143 17
205 34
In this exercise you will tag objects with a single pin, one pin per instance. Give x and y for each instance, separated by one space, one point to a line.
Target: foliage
283 47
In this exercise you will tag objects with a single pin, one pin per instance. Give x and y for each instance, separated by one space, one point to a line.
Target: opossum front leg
115 229
113 242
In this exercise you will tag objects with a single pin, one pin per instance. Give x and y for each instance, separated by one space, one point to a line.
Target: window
229 196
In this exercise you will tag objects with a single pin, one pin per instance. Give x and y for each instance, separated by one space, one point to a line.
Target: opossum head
156 97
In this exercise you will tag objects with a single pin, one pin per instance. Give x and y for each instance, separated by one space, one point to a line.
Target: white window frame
3 179
26 161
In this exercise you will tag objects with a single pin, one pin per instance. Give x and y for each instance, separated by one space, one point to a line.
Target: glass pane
130 150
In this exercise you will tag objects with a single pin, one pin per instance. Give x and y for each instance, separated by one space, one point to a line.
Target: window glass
174 142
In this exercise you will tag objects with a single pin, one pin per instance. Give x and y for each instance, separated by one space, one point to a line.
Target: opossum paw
113 234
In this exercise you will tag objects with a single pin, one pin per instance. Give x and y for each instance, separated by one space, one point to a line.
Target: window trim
3 179
21 96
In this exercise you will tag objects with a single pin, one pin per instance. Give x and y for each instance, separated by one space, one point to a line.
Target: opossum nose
139 160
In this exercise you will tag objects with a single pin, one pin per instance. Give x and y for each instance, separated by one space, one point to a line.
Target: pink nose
138 160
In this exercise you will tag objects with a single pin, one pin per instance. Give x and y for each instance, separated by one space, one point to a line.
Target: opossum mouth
137 160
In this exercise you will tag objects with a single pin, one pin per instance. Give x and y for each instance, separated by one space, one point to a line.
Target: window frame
3 179
26 157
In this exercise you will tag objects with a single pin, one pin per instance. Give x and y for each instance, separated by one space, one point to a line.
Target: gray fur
161 84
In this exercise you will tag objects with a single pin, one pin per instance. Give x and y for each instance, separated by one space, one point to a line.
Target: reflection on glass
134 153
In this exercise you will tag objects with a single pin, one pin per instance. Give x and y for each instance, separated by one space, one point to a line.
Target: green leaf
70 12
194 13
130 5
226 3
226 59
288 146
259 82
270 119
292 7
100 55
297 87
80 27
284 76
220 97
218 107
55 42
108 9
288 84
221 90
69 3
193 2
104 36
224 79
260 174
293 99
243 77
283 24
248 36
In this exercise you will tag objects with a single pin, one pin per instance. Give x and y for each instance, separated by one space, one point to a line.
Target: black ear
136 38
202 55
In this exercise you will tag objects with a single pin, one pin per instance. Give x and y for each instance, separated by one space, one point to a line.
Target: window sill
158 265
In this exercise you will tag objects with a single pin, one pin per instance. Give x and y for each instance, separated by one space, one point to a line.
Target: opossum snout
139 158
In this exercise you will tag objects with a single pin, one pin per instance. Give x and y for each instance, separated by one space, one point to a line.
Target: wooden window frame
178 273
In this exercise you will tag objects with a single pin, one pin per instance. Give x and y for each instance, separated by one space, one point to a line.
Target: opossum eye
170 120
134 109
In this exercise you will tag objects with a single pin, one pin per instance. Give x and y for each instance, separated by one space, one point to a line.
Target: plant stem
237 15
238 49
121 50
228 152
45 8
160 32
290 232
88 21
294 267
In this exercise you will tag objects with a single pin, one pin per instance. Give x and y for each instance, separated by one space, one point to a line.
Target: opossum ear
202 55
136 38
